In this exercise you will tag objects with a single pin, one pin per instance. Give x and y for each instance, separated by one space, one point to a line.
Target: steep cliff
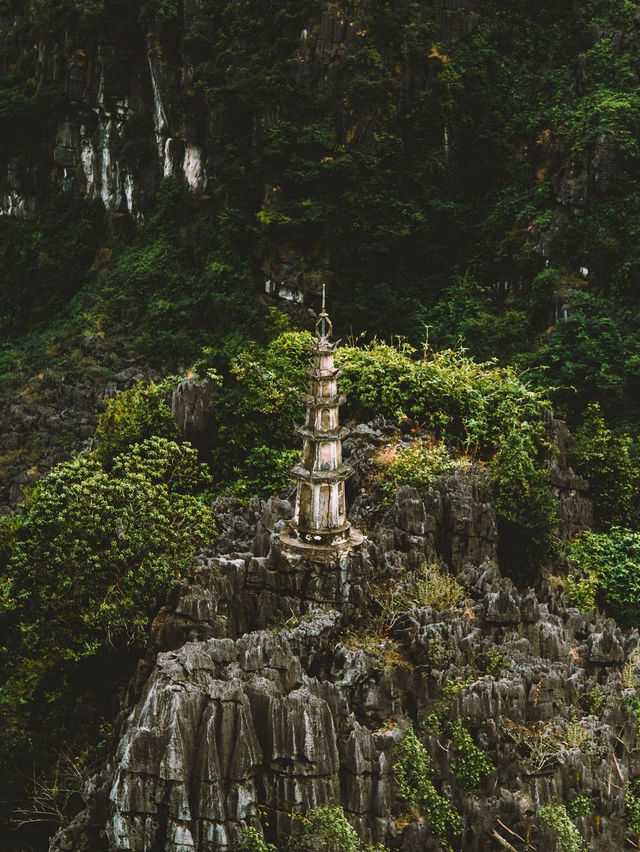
438 140
280 686
468 166
172 169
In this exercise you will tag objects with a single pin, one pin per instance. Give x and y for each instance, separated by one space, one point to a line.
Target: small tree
133 416
89 554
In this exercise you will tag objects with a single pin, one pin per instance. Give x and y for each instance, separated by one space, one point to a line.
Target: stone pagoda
319 528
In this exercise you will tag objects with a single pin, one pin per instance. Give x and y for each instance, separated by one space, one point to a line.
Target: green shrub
579 807
527 512
260 406
481 408
90 554
557 818
473 405
593 354
437 589
264 472
412 769
610 566
469 763
581 593
632 805
131 417
608 461
328 829
596 701
416 465
251 840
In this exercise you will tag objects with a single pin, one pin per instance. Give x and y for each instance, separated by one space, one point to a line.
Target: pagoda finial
324 326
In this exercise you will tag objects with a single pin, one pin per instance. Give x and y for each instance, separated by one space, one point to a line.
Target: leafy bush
473 405
251 840
131 417
581 593
557 818
481 408
607 460
327 829
264 472
411 771
469 763
260 406
438 589
592 355
89 554
417 465
632 805
610 567
579 807
607 112
527 513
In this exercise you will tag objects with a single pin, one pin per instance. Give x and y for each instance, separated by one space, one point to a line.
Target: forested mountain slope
470 166
177 178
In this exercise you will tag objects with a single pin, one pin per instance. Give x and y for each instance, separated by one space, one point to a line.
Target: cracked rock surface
273 686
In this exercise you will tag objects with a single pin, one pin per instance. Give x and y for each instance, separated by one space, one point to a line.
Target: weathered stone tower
319 527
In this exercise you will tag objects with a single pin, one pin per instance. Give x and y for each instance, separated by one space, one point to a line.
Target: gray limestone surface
273 686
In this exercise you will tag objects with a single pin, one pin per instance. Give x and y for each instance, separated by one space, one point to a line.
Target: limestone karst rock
267 691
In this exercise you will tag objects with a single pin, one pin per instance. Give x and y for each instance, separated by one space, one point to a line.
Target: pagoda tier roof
332 475
315 373
325 347
324 434
323 401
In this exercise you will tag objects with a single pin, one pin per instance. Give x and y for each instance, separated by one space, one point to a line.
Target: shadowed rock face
232 724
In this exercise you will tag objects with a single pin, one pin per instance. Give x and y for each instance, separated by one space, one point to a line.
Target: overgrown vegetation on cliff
472 170
85 562
514 235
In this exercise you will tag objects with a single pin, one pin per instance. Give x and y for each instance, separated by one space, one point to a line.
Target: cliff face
281 113
280 686
134 102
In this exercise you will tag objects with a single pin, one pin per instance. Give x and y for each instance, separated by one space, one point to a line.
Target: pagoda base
320 545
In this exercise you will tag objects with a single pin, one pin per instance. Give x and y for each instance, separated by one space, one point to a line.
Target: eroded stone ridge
276 690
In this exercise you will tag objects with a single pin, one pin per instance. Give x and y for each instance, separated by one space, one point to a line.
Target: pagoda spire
319 526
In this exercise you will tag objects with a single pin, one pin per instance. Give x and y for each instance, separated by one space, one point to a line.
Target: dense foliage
326 828
412 771
485 410
611 463
131 417
475 173
85 561
632 806
608 573
557 818
469 763
417 464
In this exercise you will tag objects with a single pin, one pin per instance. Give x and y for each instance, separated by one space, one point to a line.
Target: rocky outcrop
570 490
274 686
193 409
54 413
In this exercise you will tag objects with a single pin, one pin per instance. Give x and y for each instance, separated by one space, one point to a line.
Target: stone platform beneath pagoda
320 548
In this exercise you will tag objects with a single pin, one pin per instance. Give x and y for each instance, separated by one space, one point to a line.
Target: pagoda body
320 520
